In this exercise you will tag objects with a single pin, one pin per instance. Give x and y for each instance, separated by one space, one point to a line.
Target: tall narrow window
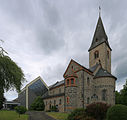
67 99
72 81
108 54
88 100
88 81
96 54
50 105
67 81
104 95
59 101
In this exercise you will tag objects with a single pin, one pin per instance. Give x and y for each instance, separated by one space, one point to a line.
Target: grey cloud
38 31
49 41
121 69
53 74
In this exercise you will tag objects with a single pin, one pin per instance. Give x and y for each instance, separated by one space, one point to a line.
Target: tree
11 75
97 110
117 112
117 97
20 110
38 104
77 114
121 97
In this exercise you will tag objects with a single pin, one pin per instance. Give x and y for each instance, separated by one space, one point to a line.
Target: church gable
73 68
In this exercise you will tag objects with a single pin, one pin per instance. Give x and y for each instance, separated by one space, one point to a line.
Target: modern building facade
82 86
35 88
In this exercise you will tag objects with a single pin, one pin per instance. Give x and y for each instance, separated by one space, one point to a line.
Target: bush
77 114
38 104
97 110
20 109
54 109
117 112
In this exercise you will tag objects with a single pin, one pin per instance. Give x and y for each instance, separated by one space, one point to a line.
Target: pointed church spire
99 35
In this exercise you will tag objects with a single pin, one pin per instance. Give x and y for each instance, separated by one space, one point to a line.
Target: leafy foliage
54 109
38 104
11 76
20 109
97 110
121 97
77 114
117 112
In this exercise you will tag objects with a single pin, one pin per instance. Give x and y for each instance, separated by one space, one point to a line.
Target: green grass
12 115
58 116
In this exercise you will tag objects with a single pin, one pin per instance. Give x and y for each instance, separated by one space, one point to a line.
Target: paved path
37 115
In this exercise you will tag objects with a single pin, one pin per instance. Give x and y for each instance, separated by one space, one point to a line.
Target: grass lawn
12 115
57 115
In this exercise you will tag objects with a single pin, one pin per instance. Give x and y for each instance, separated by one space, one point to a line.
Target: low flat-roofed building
10 105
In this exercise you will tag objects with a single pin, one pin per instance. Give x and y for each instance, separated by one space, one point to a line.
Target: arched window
50 105
67 81
59 101
96 54
88 100
104 95
72 81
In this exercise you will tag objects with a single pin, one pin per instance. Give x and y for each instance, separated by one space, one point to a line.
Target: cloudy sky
42 36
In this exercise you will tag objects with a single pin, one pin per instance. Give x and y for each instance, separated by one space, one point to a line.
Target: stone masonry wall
108 84
57 90
50 102
105 61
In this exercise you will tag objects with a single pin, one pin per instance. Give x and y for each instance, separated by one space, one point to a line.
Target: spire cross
99 11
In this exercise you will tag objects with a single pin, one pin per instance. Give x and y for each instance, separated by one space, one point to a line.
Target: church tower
100 50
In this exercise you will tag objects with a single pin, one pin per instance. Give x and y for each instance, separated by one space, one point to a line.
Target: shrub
97 110
38 104
117 112
20 110
54 109
77 114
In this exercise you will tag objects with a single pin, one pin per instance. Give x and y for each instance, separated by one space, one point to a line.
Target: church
82 86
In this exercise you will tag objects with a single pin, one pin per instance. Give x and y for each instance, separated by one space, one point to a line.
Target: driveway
37 115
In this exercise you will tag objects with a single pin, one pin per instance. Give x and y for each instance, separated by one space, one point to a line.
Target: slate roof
58 83
51 96
103 73
99 35
94 67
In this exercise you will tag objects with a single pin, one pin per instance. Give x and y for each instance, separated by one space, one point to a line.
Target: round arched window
96 54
